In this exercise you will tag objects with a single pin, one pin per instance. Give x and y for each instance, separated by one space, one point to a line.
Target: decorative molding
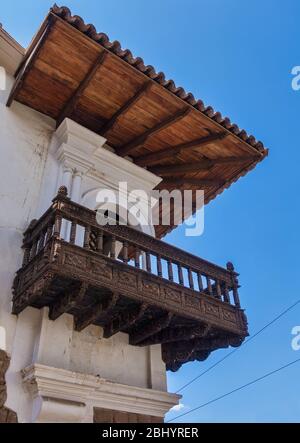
85 151
63 395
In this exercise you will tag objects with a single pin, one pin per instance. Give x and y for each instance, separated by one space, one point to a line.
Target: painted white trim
86 151
75 395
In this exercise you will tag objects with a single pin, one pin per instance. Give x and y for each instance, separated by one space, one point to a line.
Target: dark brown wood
23 72
195 349
73 232
100 241
84 320
68 301
57 225
148 262
200 283
191 281
72 103
183 168
170 270
140 140
200 183
150 329
124 321
125 108
87 234
180 274
125 252
159 268
209 286
97 289
177 334
157 157
137 258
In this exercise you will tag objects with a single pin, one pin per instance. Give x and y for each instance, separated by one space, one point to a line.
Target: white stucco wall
30 175
24 141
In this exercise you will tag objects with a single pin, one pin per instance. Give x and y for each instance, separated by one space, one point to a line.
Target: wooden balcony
124 280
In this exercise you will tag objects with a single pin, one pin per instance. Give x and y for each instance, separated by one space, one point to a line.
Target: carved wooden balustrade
124 280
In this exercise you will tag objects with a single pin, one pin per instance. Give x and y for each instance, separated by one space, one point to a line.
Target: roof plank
125 108
71 104
183 168
156 157
141 139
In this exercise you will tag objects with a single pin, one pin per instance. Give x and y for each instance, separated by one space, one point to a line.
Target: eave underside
68 74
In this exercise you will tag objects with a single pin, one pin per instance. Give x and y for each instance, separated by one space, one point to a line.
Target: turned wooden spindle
190 276
57 225
200 283
180 274
26 256
100 242
73 232
125 252
209 287
235 284
41 241
226 294
148 262
34 249
159 268
49 231
86 241
218 290
137 258
170 271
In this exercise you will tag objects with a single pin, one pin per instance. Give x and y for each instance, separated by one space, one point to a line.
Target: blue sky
236 56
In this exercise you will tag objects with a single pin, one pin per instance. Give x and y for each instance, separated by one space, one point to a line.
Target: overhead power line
235 390
236 349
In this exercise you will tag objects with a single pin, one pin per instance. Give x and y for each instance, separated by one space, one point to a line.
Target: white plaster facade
56 373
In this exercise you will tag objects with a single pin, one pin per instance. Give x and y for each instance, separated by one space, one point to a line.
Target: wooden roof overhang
70 70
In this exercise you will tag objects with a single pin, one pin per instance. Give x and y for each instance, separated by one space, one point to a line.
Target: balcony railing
124 280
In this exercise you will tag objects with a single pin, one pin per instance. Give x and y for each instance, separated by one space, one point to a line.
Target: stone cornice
77 389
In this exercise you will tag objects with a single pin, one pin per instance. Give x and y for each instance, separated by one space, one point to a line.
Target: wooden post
73 232
159 269
235 284
125 252
86 241
148 262
191 281
170 270
180 274
100 242
137 258
57 225
200 283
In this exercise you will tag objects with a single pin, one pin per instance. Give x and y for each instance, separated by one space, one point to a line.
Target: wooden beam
175 334
156 157
73 101
95 312
141 139
183 168
126 107
150 329
67 302
189 181
22 74
124 321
